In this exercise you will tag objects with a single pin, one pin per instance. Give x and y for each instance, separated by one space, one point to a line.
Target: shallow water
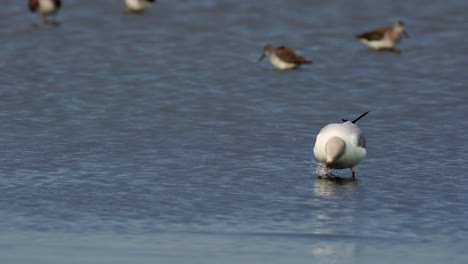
159 138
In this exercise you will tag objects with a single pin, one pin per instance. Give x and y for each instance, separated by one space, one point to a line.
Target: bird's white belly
384 43
47 7
136 5
280 64
350 159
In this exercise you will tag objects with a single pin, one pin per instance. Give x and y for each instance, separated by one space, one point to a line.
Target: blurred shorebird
341 146
282 57
384 38
138 6
46 8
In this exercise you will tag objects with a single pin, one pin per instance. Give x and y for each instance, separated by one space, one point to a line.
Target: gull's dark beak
261 57
405 33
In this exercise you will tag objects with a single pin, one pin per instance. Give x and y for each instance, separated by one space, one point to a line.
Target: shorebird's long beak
261 57
405 33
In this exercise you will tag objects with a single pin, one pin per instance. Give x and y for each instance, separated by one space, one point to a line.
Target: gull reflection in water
330 187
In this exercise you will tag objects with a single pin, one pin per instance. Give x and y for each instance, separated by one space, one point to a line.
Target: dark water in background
159 139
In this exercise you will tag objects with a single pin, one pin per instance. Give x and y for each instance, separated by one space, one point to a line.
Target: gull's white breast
351 134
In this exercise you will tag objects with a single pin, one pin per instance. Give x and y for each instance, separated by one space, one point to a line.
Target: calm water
159 138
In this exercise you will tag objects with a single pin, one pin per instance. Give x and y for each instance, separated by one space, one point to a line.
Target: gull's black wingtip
361 116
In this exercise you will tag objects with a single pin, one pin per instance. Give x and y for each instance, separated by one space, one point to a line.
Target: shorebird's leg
44 19
56 22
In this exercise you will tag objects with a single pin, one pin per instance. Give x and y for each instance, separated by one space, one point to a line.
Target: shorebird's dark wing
302 60
289 56
33 5
373 35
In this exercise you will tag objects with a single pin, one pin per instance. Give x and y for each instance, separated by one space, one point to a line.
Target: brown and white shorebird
384 38
138 6
282 57
46 8
341 146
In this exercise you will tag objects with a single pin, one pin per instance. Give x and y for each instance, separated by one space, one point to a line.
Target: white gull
341 146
